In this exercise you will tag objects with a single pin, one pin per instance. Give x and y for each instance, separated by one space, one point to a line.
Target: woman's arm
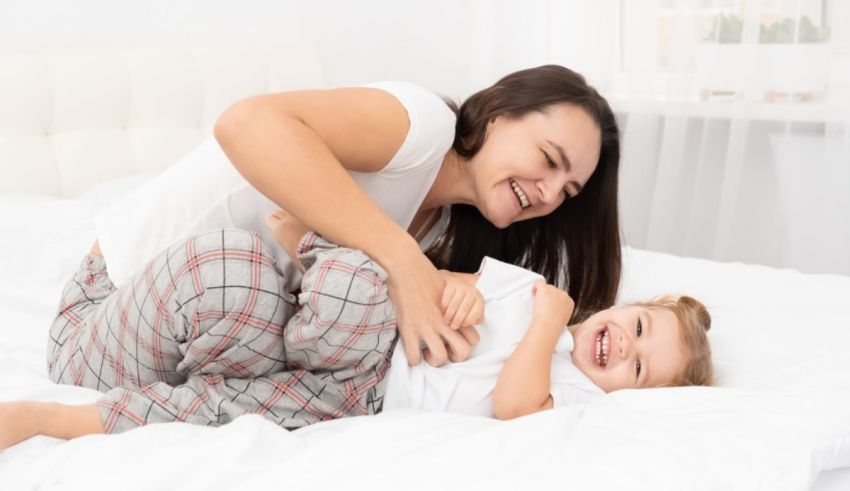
524 384
296 149
20 421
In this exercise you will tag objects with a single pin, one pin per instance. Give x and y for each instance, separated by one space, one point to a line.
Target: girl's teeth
602 348
598 351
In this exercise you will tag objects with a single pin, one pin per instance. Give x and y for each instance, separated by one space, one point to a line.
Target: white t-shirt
467 387
203 191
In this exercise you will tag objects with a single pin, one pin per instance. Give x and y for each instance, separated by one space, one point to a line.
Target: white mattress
779 419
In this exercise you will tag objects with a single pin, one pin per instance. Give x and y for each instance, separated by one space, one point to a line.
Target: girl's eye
639 331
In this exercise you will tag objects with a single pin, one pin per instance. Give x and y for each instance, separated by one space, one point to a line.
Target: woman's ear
492 123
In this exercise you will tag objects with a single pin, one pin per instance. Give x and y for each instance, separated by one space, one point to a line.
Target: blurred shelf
803 112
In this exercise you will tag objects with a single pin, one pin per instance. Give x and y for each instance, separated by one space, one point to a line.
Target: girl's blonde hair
694 323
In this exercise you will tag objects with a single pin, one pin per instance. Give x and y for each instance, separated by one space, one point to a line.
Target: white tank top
203 191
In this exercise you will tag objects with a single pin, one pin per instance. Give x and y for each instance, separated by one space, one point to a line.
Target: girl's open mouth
600 353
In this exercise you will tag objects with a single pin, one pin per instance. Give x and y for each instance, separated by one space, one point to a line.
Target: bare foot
287 232
95 249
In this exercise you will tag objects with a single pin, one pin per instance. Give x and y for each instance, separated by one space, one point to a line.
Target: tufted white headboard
72 119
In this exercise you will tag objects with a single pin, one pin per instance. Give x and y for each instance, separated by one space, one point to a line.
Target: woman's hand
552 306
462 303
415 288
440 343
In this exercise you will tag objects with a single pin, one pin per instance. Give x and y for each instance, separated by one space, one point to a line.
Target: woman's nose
548 191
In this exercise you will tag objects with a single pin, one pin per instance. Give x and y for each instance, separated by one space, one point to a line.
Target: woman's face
529 165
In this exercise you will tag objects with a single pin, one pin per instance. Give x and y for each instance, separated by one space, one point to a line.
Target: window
768 51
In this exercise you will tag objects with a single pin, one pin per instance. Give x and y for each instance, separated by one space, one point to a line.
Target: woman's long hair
577 246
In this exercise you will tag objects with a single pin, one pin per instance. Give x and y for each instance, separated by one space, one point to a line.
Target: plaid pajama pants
206 332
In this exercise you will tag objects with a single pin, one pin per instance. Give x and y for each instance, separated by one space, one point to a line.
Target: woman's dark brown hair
582 235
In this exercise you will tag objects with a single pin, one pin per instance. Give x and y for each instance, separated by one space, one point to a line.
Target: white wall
697 179
451 46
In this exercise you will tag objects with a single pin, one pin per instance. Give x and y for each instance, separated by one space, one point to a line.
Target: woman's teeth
523 199
602 348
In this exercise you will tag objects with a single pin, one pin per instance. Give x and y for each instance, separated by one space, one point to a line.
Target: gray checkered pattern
197 335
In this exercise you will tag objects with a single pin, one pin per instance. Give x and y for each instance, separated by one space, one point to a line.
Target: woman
531 178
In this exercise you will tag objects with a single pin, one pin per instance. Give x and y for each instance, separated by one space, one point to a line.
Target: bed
79 130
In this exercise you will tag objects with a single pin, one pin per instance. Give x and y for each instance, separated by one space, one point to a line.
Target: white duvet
780 417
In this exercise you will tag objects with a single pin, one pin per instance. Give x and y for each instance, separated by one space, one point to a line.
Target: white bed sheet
780 418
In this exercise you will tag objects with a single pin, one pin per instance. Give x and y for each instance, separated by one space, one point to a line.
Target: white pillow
104 194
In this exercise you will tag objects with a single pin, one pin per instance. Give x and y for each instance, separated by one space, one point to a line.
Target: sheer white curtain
735 116
737 129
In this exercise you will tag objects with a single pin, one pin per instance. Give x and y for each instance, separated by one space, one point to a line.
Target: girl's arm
296 149
524 384
20 421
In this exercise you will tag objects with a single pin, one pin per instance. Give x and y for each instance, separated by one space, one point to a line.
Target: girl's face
529 165
629 347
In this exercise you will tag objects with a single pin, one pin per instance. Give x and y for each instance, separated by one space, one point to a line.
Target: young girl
198 337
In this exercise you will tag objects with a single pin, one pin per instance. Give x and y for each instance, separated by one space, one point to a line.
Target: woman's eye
552 165
639 328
